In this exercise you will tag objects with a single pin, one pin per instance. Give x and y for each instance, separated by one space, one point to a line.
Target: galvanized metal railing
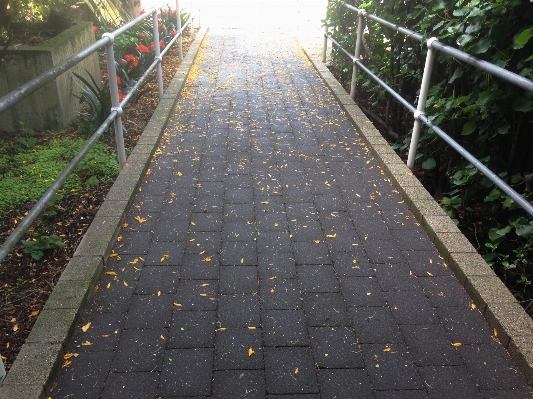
36 83
419 111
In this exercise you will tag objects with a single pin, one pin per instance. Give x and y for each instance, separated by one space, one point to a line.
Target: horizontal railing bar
443 135
180 33
407 32
54 188
495 70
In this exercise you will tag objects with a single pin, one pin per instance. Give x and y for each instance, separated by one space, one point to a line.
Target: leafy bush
37 246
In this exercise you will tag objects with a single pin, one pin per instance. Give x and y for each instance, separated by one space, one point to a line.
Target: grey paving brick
192 329
211 221
200 266
238 280
239 349
103 334
411 307
424 262
402 394
84 377
273 241
133 243
449 382
238 311
345 384
396 277
335 348
239 253
200 242
140 350
290 371
317 278
111 296
239 384
325 309
430 345
150 311
492 360
383 251
465 325
281 265
154 279
197 294
311 253
284 328
392 369
141 385
375 325
186 372
280 293
362 291
352 264
445 291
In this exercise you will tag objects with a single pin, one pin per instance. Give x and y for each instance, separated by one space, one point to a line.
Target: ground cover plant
33 267
490 118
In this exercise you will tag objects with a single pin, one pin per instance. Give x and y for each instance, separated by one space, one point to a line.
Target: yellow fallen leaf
86 343
251 328
179 174
296 370
271 290
265 202
203 294
108 285
431 261
113 255
165 257
204 285
251 352
332 235
495 332
208 259
162 337
125 284
441 294
66 363
457 344
317 241
177 304
15 327
111 273
386 350
134 261
86 327
140 219
273 277
429 274
473 306
221 329
242 260
34 313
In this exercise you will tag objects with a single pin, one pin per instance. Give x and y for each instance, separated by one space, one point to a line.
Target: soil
26 284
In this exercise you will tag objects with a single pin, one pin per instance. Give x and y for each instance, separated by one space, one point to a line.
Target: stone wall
53 106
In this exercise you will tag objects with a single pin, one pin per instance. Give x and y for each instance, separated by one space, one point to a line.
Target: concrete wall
54 105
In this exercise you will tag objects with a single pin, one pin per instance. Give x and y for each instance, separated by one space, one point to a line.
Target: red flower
95 28
160 26
130 58
110 25
172 12
142 35
172 32
152 45
120 95
118 80
158 15
162 44
142 12
142 48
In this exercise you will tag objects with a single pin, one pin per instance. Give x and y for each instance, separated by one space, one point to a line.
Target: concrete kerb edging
42 354
510 323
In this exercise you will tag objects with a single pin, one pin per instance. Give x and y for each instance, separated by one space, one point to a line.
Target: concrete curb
42 353
511 324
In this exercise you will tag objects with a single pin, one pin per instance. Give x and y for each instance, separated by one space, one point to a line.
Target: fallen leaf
125 284
15 327
86 327
473 306
296 370
457 344
242 260
165 257
34 313
158 293
251 352
108 285
86 343
495 332
441 294
162 337
273 277
111 273
429 274
221 329
332 235
203 294
386 350
317 241
208 259
251 328
177 304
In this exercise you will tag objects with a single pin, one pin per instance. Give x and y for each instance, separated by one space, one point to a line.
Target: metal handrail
33 85
418 112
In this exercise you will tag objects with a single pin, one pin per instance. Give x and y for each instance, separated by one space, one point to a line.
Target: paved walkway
268 255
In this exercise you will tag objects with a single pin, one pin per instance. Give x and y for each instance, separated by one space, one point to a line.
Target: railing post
357 54
115 102
193 33
421 106
178 24
158 54
2 371
199 20
325 49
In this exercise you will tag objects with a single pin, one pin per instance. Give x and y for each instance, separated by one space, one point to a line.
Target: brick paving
268 256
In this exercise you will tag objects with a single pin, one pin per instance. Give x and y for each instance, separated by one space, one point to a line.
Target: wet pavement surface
268 256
